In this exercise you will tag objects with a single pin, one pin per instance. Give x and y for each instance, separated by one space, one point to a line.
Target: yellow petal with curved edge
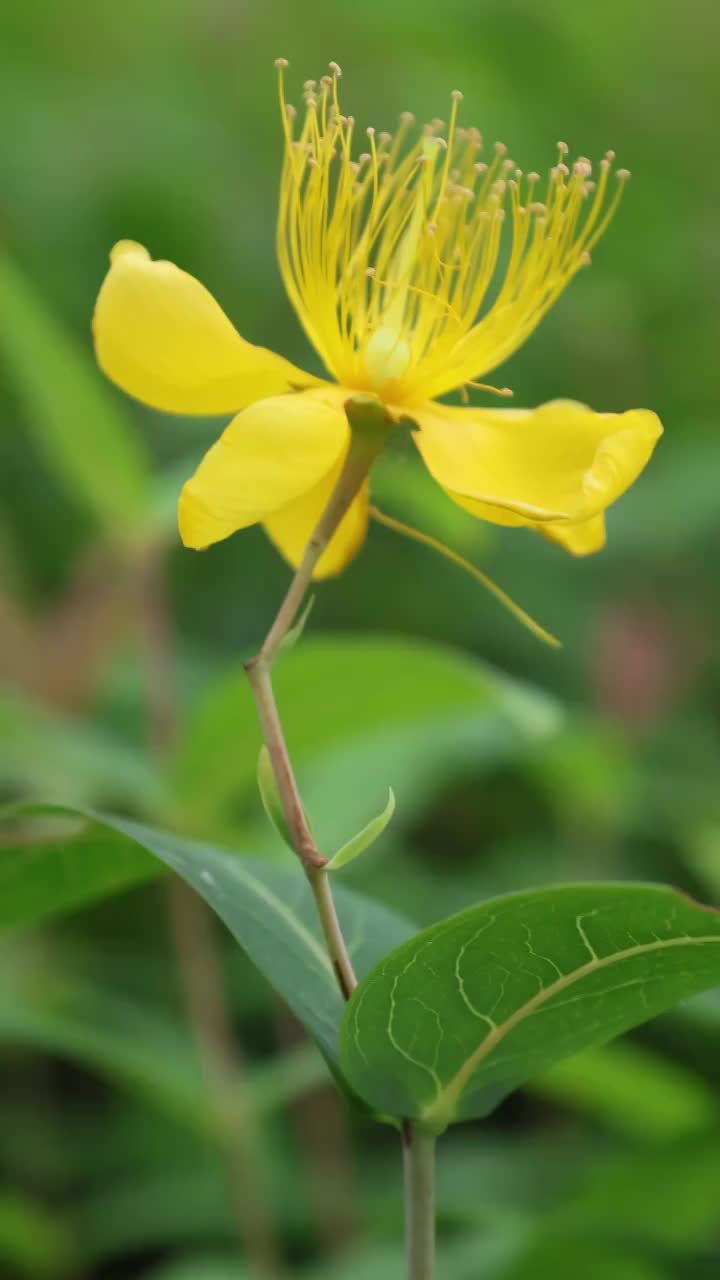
164 339
291 528
271 454
559 463
579 539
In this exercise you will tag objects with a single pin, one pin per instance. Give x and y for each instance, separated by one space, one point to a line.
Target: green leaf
666 1198
633 1090
472 1007
35 1241
65 757
76 418
137 1046
292 636
267 907
562 1259
267 786
57 866
402 695
362 841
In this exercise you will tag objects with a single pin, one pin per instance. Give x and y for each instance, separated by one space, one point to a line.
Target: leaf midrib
442 1108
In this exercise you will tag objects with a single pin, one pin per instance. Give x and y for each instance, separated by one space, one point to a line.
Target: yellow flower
392 261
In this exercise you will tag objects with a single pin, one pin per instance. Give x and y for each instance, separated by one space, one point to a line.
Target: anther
290 111
563 148
281 63
609 156
370 131
480 167
456 95
582 167
622 175
310 85
407 118
336 70
384 138
533 177
500 149
585 259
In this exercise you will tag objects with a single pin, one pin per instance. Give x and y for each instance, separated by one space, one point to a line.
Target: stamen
406 240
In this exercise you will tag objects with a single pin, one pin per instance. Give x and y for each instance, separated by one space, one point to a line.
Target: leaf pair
272 805
447 1021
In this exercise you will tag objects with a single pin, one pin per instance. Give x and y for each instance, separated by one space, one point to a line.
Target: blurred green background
120 652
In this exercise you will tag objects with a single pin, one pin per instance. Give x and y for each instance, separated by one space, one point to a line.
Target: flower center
386 357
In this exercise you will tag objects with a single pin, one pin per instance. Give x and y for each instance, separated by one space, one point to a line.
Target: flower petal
291 528
559 463
271 454
164 339
579 539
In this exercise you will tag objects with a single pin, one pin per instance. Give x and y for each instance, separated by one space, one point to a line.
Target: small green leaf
402 694
474 1006
364 838
268 908
78 421
291 637
267 786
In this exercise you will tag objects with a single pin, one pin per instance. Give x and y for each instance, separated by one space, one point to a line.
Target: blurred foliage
157 120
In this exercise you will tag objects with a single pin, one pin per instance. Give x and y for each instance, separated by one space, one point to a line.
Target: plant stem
367 441
364 448
419 1171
